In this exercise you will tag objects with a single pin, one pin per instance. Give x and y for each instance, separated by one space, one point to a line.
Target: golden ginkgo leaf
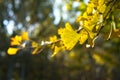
16 40
25 36
34 44
12 51
35 50
53 39
69 36
83 36
56 50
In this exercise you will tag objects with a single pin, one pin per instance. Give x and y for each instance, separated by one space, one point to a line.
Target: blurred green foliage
36 17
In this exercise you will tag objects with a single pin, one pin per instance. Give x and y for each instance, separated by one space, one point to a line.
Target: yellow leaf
91 39
80 18
68 27
101 8
56 50
90 8
35 51
92 35
15 43
34 44
98 59
101 2
82 6
60 31
25 36
12 51
88 25
53 39
16 40
83 36
69 36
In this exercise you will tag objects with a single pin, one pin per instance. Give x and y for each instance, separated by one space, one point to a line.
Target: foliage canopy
98 14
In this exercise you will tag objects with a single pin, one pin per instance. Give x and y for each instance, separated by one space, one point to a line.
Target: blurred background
41 19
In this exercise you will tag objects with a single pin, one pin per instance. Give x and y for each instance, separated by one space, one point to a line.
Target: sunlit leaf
101 2
92 35
34 44
35 50
80 18
98 59
16 40
82 6
25 36
12 51
53 39
102 8
69 36
56 50
83 36
90 8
